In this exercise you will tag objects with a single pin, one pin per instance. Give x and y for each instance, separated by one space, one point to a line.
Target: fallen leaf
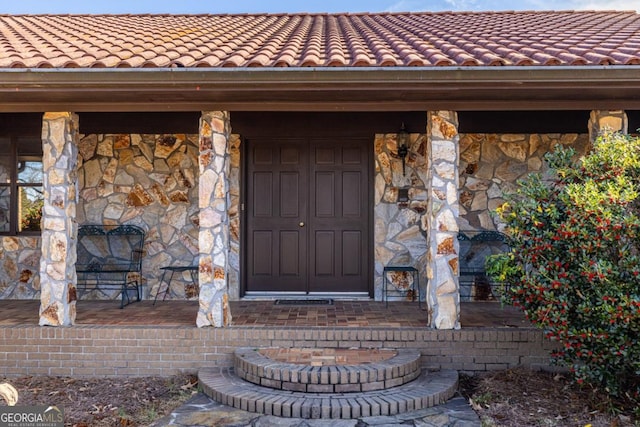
188 386
474 405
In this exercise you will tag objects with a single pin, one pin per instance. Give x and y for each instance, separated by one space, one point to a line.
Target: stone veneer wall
150 181
214 201
147 180
400 229
491 164
59 227
233 274
443 299
19 267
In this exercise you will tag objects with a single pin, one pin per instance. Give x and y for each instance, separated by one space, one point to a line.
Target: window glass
21 190
30 204
29 170
29 184
5 160
5 206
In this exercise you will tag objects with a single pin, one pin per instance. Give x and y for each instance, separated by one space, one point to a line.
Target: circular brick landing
327 356
294 369
428 390
342 384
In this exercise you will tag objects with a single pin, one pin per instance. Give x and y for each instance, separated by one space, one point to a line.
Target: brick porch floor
267 314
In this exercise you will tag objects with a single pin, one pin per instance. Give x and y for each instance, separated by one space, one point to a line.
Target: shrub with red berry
574 264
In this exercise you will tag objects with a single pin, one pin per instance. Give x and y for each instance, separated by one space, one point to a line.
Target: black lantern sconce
403 197
403 145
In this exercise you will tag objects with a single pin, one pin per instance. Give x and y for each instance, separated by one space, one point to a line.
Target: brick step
431 388
399 367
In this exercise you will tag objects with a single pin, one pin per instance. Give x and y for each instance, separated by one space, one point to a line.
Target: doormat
321 301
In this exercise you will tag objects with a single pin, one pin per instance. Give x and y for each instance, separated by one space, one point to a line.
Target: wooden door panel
352 195
277 197
352 253
292 155
261 202
324 194
308 220
339 179
289 254
290 195
324 262
352 156
325 156
262 261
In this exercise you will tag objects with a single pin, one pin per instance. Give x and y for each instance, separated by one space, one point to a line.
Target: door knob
301 224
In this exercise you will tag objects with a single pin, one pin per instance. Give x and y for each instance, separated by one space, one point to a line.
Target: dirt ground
512 398
90 402
519 397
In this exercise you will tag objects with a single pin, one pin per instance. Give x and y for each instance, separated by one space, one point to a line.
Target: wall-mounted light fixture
403 197
403 145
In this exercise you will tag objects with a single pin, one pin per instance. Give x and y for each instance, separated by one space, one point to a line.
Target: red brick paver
327 356
266 313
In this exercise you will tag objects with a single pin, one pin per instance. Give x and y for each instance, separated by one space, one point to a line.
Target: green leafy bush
574 267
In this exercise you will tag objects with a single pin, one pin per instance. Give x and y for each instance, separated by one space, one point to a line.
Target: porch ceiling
312 89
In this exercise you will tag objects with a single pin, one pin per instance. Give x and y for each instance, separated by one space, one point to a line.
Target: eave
321 89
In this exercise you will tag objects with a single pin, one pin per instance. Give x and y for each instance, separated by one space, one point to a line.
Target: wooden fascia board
315 89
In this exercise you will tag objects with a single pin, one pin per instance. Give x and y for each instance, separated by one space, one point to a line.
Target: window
21 192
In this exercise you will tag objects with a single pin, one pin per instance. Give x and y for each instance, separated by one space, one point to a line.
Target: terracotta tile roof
321 40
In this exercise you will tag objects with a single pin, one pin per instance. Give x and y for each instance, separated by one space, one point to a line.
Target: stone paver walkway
202 411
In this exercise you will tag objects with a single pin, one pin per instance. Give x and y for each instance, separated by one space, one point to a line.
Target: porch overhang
321 89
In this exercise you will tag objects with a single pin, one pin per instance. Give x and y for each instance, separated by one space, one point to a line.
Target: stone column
443 294
215 132
59 229
601 120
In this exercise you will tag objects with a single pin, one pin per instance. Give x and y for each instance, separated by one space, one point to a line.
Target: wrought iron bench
475 247
110 260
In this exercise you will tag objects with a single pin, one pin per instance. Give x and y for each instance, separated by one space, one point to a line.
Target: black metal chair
110 260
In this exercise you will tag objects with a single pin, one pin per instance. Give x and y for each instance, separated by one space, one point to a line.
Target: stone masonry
443 298
491 164
59 227
400 233
149 180
601 120
153 181
233 271
19 267
215 131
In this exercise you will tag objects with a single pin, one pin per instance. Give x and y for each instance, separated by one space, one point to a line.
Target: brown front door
307 215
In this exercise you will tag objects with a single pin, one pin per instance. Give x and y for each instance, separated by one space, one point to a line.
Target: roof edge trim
287 76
